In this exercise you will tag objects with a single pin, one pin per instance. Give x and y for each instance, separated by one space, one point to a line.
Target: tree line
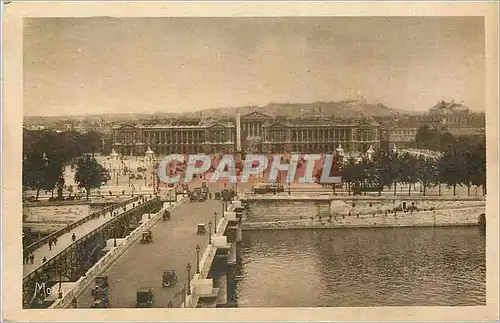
46 153
462 163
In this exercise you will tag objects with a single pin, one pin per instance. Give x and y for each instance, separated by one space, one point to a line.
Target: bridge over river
68 260
131 265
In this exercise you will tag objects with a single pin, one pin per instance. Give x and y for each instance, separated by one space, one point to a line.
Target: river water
362 267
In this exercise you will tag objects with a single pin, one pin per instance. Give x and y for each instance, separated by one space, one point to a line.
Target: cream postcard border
12 150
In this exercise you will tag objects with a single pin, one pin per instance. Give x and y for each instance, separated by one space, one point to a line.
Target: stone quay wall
466 216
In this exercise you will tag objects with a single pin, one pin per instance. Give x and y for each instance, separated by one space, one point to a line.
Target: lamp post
215 222
198 259
114 236
210 232
188 267
60 293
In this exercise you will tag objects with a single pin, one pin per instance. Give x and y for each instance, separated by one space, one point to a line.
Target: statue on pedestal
370 152
340 150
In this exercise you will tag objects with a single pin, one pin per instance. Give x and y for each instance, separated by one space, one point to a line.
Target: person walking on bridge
73 237
50 244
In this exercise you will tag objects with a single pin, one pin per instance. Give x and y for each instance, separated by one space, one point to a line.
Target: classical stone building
168 139
259 133
449 117
318 135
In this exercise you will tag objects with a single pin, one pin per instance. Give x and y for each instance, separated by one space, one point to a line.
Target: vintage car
261 188
145 297
201 229
101 282
201 194
166 215
101 299
264 188
169 278
99 304
275 187
228 194
147 237
193 196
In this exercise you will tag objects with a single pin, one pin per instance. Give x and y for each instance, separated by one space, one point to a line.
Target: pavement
173 248
65 240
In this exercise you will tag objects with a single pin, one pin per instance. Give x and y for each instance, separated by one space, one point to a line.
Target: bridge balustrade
73 259
37 244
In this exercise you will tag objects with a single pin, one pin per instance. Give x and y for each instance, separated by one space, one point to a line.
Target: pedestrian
44 259
50 244
32 258
73 237
55 241
74 302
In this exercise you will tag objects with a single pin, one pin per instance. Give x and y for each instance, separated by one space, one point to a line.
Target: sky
105 65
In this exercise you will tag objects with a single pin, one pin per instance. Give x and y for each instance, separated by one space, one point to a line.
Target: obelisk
237 154
238 133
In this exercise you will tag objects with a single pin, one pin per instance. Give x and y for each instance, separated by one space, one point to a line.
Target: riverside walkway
65 240
173 248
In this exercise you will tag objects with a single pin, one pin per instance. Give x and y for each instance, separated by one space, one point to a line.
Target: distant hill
341 109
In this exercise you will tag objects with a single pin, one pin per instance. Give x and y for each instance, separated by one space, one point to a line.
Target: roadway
173 248
65 240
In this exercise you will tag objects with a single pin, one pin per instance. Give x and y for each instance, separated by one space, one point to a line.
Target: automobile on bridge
145 297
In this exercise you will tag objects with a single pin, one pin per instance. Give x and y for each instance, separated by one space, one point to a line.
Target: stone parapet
448 217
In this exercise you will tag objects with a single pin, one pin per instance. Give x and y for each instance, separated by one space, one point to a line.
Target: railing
114 219
32 247
111 257
205 265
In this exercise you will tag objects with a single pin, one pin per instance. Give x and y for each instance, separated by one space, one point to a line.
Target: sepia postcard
250 161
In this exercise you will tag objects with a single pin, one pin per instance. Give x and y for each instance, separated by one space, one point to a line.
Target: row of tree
46 153
462 163
67 145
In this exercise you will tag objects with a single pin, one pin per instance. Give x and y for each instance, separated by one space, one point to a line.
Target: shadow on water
361 267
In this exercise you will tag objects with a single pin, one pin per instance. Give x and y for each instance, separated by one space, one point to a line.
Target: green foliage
90 174
63 146
463 163
427 172
41 171
46 152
